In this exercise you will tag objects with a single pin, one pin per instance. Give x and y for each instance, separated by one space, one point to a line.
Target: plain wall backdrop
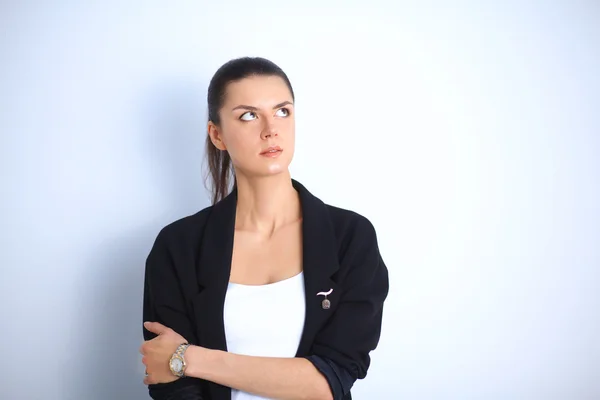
467 132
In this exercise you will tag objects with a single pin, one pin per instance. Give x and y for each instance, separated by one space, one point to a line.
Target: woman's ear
215 136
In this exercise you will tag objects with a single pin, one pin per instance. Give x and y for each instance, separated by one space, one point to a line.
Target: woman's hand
158 351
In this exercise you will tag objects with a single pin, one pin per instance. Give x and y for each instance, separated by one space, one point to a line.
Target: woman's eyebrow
285 103
251 108
243 107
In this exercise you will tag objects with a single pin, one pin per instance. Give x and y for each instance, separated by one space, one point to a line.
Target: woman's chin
271 169
274 167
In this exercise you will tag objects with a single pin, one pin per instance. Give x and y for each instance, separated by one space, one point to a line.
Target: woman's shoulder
348 220
358 251
350 226
186 228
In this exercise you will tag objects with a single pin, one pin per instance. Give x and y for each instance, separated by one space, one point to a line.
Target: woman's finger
156 327
147 378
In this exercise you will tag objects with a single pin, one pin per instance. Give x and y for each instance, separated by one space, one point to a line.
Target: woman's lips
272 152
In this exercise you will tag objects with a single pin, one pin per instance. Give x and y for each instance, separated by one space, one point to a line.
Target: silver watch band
179 353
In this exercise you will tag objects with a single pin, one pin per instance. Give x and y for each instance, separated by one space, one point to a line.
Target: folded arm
280 378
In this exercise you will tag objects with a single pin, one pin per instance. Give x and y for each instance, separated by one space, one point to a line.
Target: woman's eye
248 116
283 112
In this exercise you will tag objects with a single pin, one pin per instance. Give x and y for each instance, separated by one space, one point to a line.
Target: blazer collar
320 262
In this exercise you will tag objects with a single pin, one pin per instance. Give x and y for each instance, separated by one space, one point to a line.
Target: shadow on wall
172 145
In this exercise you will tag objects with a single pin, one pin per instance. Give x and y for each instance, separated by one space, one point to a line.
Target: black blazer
188 268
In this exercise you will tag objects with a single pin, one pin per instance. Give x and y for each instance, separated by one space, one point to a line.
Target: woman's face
257 126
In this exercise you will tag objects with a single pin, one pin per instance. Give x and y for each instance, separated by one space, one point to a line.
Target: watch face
176 365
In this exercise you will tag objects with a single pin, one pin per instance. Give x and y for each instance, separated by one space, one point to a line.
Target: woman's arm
313 377
281 378
162 302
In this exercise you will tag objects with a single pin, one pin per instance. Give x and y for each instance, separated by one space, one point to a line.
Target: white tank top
264 320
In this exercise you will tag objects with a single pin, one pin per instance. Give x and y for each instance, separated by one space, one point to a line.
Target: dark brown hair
220 169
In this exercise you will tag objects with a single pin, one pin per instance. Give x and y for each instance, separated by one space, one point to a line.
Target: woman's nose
269 129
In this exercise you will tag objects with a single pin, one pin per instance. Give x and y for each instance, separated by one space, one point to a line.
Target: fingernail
146 323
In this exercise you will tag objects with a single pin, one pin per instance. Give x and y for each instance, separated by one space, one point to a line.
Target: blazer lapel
320 262
213 270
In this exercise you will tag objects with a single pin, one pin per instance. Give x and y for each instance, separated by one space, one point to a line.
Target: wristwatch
177 363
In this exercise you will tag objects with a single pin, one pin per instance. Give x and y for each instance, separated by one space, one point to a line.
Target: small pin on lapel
326 304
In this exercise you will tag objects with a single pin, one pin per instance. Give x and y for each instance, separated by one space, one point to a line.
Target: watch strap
179 353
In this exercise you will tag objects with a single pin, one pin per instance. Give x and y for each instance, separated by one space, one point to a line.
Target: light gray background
467 132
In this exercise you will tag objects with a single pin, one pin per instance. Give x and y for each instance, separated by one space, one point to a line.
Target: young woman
269 292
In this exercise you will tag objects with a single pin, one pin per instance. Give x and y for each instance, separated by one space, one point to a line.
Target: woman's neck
265 204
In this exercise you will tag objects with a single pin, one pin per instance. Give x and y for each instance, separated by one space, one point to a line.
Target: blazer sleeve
164 303
354 329
339 379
